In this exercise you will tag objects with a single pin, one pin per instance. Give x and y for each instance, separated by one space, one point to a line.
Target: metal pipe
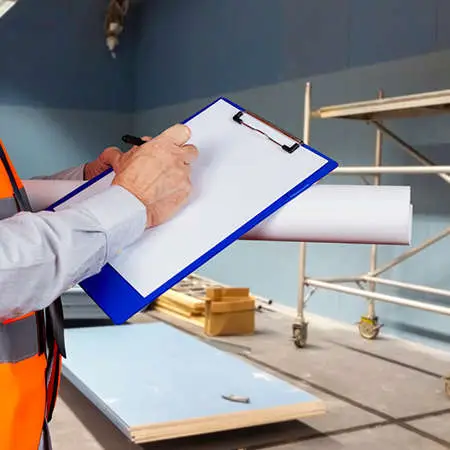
381 297
411 150
410 253
376 182
410 286
302 247
370 170
341 279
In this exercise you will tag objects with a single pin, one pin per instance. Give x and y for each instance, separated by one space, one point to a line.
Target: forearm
43 254
73 173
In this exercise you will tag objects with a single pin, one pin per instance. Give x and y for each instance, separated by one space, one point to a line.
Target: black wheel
300 334
369 328
447 386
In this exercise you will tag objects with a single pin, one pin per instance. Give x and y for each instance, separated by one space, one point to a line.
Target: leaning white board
324 213
247 170
155 382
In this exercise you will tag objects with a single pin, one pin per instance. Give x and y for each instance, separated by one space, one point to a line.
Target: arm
107 159
74 173
43 254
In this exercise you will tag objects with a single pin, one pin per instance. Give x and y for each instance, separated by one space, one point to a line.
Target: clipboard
246 170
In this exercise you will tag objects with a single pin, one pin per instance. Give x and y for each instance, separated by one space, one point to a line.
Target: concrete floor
383 394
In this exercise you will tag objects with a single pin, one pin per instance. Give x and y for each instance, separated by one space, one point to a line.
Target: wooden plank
186 301
174 307
427 103
218 293
194 320
156 382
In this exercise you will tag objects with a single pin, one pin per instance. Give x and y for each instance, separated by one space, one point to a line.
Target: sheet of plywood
156 382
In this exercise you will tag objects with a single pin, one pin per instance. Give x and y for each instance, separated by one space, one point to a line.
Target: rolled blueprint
342 214
43 193
323 213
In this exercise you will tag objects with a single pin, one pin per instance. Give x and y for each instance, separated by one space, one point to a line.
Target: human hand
143 138
109 158
158 173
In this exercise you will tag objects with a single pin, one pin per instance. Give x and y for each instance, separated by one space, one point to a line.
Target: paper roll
323 213
43 193
342 214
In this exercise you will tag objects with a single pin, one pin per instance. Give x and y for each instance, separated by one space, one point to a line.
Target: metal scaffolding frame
373 112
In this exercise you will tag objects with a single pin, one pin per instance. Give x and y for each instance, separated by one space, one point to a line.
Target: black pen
133 140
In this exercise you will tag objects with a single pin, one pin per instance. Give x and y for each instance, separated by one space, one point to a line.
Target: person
42 254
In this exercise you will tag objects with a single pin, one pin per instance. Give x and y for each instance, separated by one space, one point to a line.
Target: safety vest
31 347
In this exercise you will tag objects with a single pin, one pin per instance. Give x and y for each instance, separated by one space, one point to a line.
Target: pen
133 140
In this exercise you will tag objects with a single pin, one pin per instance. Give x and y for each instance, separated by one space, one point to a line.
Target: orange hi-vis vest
31 347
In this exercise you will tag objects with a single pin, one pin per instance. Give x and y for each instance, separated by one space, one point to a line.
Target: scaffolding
374 112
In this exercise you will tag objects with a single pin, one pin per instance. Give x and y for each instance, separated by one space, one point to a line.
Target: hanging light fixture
114 23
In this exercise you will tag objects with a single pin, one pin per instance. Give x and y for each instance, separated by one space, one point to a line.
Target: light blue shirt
45 253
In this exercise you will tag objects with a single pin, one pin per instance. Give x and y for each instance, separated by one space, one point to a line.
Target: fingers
178 134
145 139
111 157
188 154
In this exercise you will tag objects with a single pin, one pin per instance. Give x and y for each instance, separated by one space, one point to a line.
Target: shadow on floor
110 438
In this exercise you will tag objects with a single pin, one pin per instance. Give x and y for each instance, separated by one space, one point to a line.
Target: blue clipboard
218 130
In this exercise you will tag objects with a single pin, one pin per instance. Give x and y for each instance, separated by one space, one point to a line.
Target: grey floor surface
382 394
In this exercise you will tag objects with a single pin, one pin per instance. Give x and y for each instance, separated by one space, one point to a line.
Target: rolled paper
342 214
323 213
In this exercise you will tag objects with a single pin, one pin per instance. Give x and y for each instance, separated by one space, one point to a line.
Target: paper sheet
323 213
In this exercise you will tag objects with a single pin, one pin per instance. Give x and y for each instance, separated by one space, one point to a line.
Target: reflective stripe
19 340
8 207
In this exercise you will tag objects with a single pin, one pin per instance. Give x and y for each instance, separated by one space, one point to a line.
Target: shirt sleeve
44 254
73 173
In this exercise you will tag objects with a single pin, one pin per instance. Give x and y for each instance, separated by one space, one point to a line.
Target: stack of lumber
219 310
179 304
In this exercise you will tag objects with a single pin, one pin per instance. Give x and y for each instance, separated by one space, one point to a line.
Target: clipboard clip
289 149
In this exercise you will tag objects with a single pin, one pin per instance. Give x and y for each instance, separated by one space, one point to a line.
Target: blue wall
62 97
200 48
54 55
261 53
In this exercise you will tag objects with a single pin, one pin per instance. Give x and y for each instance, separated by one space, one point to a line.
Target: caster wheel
300 334
369 328
447 386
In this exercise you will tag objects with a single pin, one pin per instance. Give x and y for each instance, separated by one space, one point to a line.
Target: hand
144 138
109 158
158 173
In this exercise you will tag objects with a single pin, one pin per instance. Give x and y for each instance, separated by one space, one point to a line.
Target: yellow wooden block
220 293
229 318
